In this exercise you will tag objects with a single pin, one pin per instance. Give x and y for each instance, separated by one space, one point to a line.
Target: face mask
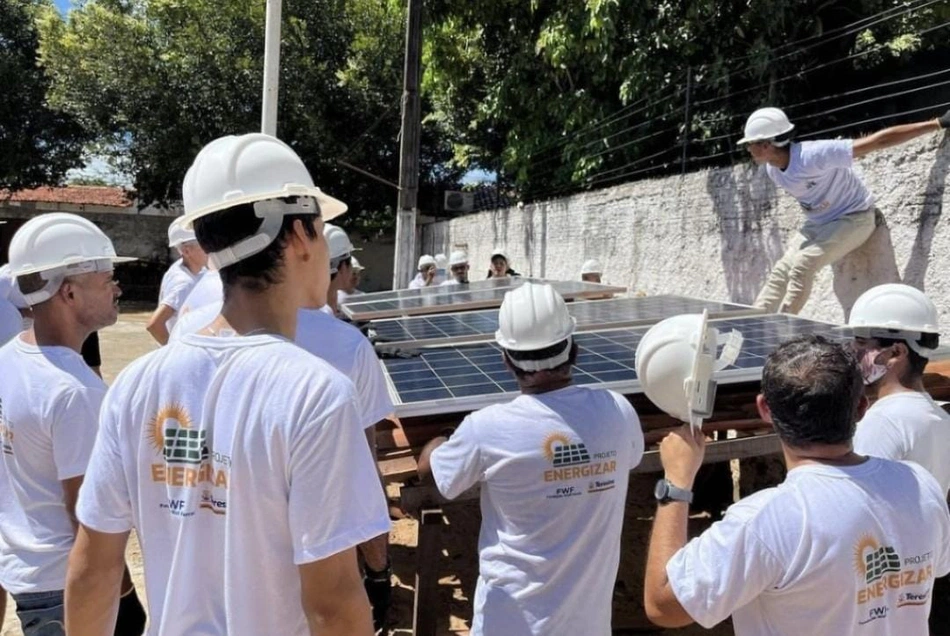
871 371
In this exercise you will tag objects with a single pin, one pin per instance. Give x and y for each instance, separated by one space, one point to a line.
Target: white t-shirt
908 425
418 282
49 415
350 353
450 282
208 289
554 470
341 295
832 550
11 322
236 460
821 176
177 283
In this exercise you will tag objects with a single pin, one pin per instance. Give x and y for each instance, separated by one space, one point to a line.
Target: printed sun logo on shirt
881 570
571 460
188 463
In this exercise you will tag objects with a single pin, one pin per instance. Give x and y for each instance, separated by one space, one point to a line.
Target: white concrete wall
716 233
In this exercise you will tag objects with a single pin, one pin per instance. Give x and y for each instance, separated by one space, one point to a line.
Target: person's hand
944 120
681 453
430 275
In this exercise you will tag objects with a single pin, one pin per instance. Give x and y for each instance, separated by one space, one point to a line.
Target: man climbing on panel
838 206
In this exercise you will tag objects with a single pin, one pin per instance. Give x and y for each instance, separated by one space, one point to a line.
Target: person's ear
764 411
300 240
863 405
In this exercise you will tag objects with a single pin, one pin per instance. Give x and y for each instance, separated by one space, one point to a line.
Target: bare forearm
159 332
92 599
352 618
669 536
894 136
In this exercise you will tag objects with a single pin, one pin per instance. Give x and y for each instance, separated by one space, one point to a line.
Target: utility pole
409 149
271 68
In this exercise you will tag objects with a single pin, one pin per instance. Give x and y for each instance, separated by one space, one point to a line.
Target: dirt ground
128 340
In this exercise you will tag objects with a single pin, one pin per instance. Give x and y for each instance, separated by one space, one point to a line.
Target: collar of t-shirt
865 468
903 395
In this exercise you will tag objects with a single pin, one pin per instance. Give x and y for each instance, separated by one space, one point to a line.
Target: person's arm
681 454
333 598
896 135
94 581
70 497
424 465
156 324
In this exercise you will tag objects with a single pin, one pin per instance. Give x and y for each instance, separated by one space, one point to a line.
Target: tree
39 143
157 79
562 95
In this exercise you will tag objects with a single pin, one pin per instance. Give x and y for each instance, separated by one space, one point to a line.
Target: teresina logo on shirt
571 460
187 459
881 568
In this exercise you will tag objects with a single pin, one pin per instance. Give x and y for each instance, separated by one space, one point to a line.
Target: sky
63 5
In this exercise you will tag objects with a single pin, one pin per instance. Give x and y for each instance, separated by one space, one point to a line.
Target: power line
800 74
849 29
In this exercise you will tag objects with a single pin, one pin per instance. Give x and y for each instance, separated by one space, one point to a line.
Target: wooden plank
425 610
416 498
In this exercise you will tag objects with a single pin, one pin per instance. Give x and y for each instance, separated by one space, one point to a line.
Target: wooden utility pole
409 150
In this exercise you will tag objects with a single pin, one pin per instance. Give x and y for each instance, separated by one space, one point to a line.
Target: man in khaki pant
838 205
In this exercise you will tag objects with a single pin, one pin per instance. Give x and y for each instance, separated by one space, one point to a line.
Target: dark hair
223 229
917 362
813 388
347 260
544 354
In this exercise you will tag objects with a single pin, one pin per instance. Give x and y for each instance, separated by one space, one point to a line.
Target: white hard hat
338 241
498 252
675 362
426 260
592 267
10 290
895 311
441 261
355 264
533 317
765 124
253 168
178 235
57 245
458 257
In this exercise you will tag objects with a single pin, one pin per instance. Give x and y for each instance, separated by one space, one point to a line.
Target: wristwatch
665 492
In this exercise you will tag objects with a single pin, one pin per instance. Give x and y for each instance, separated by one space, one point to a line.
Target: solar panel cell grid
604 357
481 325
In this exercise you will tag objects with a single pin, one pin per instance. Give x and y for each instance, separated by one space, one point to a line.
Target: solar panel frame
395 294
479 326
454 299
457 379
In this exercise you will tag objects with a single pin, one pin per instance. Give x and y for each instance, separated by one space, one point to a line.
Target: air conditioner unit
456 201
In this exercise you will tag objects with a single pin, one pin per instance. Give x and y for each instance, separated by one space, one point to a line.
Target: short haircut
223 229
917 362
813 388
544 354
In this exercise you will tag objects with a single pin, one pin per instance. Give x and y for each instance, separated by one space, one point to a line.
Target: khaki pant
813 247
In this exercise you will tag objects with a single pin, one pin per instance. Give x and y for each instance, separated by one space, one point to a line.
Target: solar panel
459 379
476 326
395 294
458 298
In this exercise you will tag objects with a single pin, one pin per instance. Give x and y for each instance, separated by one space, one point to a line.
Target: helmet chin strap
273 212
54 278
532 366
